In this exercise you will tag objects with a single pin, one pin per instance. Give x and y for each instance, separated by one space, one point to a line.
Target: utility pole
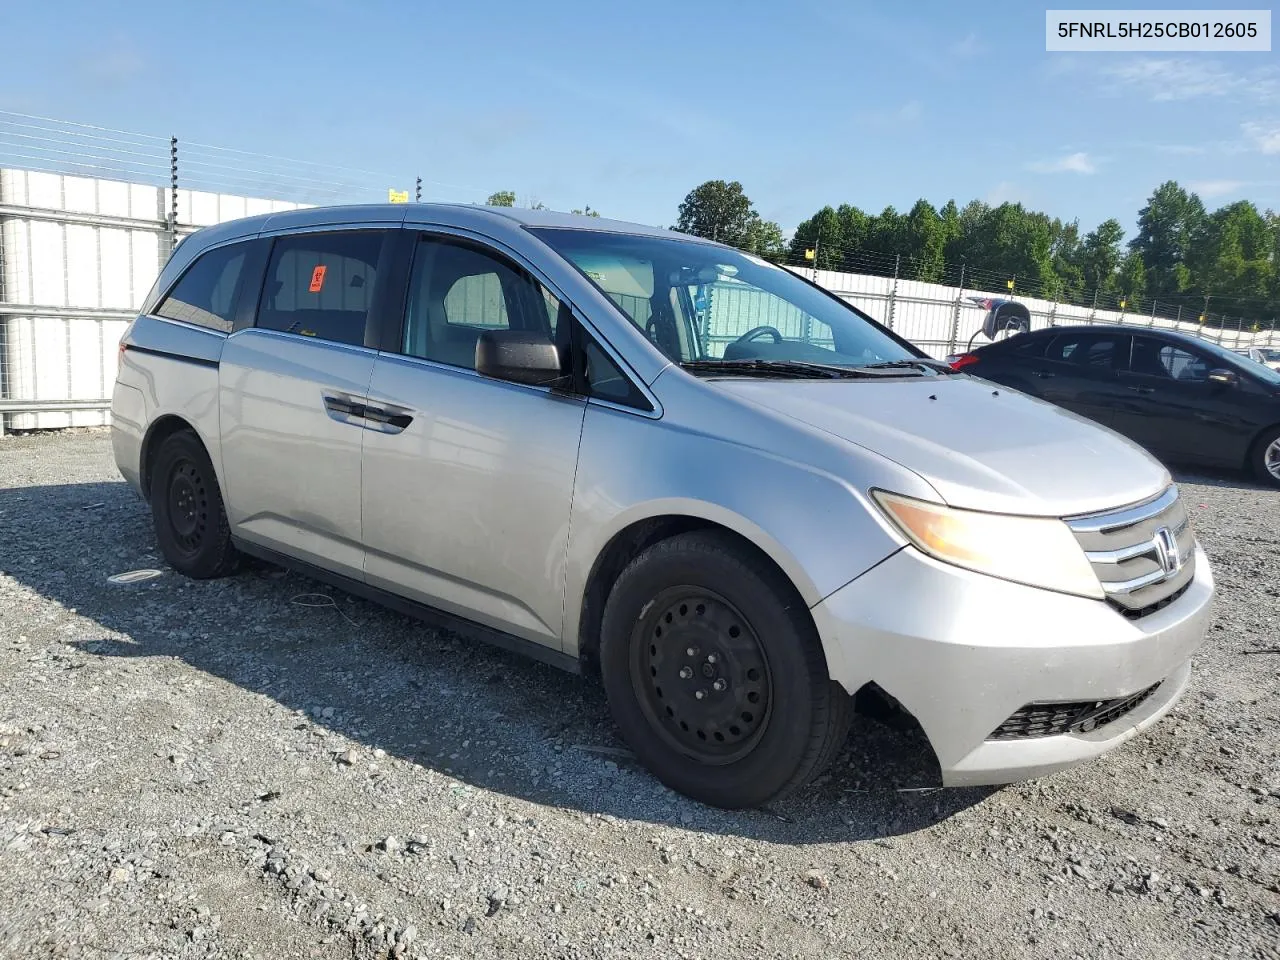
955 315
173 194
893 294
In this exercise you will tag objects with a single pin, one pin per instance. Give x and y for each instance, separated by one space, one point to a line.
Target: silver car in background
736 497
1267 356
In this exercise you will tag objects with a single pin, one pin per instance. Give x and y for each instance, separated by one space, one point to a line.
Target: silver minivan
741 501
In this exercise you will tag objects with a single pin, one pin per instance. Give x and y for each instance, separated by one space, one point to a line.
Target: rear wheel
1266 457
186 506
715 674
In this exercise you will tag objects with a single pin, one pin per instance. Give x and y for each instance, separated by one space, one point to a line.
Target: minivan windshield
716 310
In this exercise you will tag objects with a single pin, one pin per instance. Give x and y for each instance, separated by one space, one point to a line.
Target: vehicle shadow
491 719
1212 477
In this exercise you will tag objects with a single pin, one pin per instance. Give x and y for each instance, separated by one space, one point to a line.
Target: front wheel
715 674
1266 458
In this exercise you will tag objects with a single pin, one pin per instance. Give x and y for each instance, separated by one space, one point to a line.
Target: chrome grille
1143 555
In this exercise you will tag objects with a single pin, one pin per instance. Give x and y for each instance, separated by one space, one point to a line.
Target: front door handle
1142 390
344 408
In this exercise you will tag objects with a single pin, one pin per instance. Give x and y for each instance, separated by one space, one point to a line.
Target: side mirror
1228 378
518 356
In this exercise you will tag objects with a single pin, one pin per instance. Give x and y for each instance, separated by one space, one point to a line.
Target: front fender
818 528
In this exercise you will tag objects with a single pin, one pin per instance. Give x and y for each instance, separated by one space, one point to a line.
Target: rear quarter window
206 293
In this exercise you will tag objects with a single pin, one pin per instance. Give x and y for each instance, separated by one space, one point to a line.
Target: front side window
604 380
321 285
206 294
459 290
1184 365
702 304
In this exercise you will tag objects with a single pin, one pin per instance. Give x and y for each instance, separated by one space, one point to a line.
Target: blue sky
626 107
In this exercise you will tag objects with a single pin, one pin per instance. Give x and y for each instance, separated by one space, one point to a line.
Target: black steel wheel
701 675
715 673
186 507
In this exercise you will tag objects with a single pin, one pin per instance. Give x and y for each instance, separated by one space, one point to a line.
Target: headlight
1039 551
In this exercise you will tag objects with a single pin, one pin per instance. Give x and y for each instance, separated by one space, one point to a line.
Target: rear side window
1095 350
206 294
321 285
1028 346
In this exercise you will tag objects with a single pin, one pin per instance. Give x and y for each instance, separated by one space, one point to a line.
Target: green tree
586 211
1167 228
1100 256
822 233
764 239
925 242
1132 281
888 232
1234 255
949 215
719 211
1065 249
854 229
503 198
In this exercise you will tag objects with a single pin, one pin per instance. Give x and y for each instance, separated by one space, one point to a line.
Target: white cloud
1264 136
967 47
1006 192
907 113
910 111
114 61
1215 188
1071 163
1169 79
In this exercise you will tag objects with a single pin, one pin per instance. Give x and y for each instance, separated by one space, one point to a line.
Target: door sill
412 608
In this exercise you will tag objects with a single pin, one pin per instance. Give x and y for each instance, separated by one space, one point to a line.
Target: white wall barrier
79 254
77 257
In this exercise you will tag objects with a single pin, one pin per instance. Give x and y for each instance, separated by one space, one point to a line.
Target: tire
770 718
1265 457
186 506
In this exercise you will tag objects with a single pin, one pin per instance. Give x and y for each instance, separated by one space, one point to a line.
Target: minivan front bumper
964 652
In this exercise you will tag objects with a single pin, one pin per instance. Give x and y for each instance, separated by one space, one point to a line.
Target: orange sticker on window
317 278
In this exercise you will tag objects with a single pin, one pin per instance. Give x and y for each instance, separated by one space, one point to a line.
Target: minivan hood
981 446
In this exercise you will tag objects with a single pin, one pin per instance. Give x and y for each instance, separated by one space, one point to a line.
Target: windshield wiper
798 369
931 366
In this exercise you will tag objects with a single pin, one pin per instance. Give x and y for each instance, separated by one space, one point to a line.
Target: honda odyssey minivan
737 498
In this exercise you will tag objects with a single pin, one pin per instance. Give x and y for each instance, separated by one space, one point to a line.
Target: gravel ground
243 769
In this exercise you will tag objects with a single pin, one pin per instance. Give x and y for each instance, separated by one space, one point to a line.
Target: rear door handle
387 418
1142 390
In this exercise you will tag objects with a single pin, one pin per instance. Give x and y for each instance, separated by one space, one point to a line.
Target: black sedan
1185 400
